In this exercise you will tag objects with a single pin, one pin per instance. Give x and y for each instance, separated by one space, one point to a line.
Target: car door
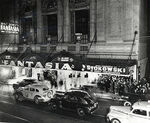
65 101
139 116
73 102
31 93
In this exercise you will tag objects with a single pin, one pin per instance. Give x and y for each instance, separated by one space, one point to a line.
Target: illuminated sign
68 66
65 59
9 28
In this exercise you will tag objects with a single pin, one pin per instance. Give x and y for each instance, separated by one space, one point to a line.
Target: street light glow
5 72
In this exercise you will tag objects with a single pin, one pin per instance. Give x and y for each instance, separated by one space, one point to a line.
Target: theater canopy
67 61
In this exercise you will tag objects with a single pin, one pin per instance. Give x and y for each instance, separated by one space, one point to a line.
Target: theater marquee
67 66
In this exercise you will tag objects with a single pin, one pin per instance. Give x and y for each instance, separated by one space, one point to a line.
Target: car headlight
89 108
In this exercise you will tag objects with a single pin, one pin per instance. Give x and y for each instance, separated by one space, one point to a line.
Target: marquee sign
9 28
67 66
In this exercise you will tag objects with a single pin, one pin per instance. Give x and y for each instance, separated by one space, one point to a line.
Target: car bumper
92 109
44 99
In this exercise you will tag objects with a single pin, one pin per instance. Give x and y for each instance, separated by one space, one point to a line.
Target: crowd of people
123 84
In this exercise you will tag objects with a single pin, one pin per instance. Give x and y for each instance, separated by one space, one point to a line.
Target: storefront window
49 5
78 3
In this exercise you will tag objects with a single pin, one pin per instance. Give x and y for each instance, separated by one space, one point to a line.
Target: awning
68 61
110 62
67 57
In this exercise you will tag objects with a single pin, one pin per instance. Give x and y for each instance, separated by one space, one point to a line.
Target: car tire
18 97
127 103
36 100
114 120
80 112
53 106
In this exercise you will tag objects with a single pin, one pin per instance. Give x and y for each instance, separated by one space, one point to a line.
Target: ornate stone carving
78 3
49 5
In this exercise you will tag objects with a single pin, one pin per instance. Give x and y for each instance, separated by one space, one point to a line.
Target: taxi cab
139 112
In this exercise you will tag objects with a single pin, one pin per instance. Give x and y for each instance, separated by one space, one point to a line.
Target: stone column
92 19
45 29
67 30
39 22
16 19
60 20
100 20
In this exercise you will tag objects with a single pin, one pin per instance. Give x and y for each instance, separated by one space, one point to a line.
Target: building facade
100 33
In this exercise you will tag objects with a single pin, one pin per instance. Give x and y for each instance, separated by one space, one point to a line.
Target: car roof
142 105
90 85
38 86
78 93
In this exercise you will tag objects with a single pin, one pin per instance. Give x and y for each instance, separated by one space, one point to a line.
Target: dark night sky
6 10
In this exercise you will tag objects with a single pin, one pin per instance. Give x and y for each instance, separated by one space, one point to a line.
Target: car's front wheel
53 106
115 121
80 112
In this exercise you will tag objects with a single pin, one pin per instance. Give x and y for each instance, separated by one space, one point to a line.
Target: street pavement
28 112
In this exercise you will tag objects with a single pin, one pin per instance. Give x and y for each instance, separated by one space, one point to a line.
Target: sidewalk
9 118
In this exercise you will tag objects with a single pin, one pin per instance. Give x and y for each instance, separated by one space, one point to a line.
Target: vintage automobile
74 100
98 94
23 83
94 91
34 92
139 112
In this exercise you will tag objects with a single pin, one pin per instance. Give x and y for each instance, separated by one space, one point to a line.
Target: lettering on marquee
66 66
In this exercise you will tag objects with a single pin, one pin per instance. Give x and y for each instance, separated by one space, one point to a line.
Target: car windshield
86 100
84 95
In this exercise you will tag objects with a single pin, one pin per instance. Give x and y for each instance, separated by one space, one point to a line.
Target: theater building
101 36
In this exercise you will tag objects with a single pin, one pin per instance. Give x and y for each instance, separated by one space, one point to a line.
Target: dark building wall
148 41
8 15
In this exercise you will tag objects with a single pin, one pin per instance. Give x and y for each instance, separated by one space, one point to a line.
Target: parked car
74 100
138 113
94 91
23 83
97 94
34 92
